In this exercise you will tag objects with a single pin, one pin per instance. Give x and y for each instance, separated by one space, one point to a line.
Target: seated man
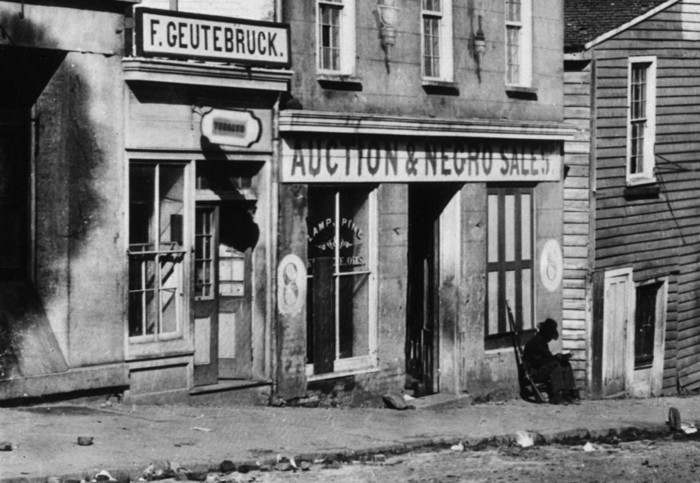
554 370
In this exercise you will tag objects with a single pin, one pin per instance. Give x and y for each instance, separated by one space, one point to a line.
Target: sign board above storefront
400 160
181 35
231 128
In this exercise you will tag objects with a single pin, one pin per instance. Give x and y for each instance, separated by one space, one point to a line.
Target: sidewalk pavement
128 438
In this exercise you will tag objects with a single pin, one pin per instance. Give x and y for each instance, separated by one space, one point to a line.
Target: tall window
510 253
437 39
156 252
340 234
518 42
642 120
336 36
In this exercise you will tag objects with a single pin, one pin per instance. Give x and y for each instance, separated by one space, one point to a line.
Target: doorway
426 202
225 238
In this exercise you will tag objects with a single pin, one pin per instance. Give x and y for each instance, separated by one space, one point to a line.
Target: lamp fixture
388 14
479 47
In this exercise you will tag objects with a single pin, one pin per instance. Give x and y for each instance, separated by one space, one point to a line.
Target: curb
567 437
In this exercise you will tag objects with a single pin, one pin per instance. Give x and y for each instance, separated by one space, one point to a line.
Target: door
422 303
617 336
225 236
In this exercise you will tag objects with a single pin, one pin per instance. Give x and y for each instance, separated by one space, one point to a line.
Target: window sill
339 82
647 190
444 88
522 92
503 341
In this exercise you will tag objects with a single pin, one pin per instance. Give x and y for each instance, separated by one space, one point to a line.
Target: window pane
493 228
526 214
170 267
171 206
513 55
141 205
329 48
513 13
527 299
510 227
320 224
354 230
431 46
493 303
353 324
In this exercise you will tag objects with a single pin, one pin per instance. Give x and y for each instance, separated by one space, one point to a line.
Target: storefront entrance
225 236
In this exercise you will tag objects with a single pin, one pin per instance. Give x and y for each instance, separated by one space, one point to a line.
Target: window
341 235
204 243
642 120
509 263
437 39
156 252
645 324
336 36
518 42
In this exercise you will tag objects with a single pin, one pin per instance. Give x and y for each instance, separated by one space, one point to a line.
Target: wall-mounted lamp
479 47
388 13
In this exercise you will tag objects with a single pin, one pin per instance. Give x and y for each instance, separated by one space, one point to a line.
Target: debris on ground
396 401
85 440
5 446
457 447
227 466
199 428
524 439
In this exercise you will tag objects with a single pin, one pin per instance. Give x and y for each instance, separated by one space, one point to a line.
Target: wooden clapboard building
632 195
420 191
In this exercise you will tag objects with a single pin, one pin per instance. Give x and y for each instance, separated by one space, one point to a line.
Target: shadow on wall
66 195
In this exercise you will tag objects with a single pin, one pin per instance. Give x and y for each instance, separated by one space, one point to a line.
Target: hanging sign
181 35
400 160
231 128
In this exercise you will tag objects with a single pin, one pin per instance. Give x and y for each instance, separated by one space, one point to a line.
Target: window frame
646 175
148 344
346 37
368 362
525 45
500 265
445 63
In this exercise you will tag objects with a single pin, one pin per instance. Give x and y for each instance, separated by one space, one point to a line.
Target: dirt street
641 461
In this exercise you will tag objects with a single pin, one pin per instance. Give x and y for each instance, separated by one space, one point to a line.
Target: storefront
417 233
201 94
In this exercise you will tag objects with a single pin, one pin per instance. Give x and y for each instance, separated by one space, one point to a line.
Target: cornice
137 69
298 121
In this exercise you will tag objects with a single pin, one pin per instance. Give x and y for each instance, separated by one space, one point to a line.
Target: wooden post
597 333
323 315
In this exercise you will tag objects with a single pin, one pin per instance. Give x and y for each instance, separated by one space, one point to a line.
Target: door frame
628 342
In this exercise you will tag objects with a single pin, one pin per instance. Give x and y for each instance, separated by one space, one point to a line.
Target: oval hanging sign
231 128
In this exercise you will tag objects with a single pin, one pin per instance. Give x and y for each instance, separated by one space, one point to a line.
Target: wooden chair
529 389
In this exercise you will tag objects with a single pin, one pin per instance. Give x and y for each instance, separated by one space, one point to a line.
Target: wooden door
206 304
616 334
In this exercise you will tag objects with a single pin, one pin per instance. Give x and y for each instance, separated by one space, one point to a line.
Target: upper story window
336 36
437 40
519 42
641 126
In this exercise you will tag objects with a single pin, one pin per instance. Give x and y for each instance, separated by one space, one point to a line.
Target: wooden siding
577 209
656 236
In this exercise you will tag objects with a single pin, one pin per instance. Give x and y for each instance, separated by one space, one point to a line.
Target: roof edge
631 23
